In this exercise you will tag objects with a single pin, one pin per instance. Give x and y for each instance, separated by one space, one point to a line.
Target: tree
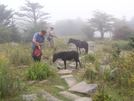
31 19
131 23
5 15
88 31
121 30
32 14
8 29
101 22
122 33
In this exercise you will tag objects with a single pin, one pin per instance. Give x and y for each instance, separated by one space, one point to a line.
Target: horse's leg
76 64
79 50
65 63
79 62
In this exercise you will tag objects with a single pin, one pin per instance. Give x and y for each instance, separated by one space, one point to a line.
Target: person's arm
35 42
54 34
41 43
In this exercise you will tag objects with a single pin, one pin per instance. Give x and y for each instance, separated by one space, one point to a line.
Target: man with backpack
51 35
37 42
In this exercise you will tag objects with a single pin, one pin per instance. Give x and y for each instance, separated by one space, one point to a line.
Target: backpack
37 53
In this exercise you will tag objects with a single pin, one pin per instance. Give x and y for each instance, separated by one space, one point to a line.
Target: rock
60 87
14 44
59 67
30 97
104 67
66 76
113 70
48 96
84 99
70 81
91 43
90 52
63 72
72 65
43 81
69 95
84 88
60 62
31 82
23 66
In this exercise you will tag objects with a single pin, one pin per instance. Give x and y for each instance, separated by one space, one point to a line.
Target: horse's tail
86 48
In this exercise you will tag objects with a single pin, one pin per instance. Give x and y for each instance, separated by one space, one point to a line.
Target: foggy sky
71 9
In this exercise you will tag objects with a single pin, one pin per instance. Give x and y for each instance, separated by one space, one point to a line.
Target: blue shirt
38 38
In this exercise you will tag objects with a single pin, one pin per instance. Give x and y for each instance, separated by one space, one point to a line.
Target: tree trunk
102 35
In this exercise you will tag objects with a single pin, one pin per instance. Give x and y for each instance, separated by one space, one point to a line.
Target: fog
72 9
68 17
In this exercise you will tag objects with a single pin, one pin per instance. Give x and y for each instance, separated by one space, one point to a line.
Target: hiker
37 42
51 35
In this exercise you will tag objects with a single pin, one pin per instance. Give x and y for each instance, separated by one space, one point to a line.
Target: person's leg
49 45
53 44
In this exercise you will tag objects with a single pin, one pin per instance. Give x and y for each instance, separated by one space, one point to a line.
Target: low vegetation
115 84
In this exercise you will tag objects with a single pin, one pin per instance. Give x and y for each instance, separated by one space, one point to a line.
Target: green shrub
102 95
122 44
116 52
106 49
39 71
89 57
90 74
125 75
20 56
8 84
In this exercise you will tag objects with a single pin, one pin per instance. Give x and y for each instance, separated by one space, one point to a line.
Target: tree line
20 26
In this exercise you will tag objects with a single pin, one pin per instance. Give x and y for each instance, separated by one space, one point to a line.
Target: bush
102 95
39 71
122 44
20 56
89 57
90 74
8 84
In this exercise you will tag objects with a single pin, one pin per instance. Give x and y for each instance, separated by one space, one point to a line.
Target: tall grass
18 55
9 85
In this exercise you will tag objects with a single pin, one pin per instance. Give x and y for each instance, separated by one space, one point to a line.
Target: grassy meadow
115 84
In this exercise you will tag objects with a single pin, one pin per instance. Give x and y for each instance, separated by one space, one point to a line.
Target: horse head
70 40
55 57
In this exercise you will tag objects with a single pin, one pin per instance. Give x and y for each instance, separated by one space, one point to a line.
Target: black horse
67 55
79 44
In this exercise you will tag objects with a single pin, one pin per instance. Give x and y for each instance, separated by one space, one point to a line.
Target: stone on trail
59 67
60 87
66 76
44 81
48 96
30 97
69 95
84 99
84 88
70 81
63 72
60 62
31 82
